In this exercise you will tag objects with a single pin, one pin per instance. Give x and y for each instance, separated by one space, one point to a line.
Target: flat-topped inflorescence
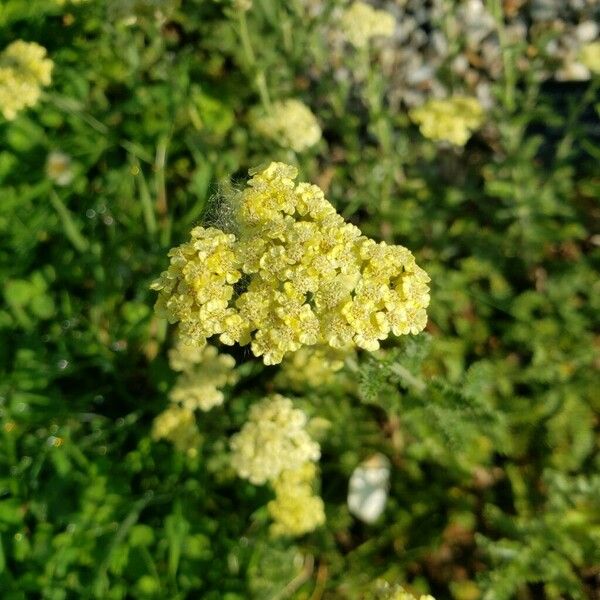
290 123
24 70
384 591
204 371
296 509
294 274
273 440
177 424
451 120
361 23
589 56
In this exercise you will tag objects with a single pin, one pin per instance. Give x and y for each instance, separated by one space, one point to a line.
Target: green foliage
490 420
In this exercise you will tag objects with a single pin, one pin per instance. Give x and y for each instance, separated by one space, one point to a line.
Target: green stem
495 7
145 199
73 107
70 227
260 79
263 90
405 374
245 38
123 529
159 168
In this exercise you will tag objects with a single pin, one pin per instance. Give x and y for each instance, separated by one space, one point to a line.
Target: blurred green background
495 488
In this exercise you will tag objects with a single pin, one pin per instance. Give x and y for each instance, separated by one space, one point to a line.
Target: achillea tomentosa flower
361 22
242 5
310 278
273 440
296 510
177 424
452 120
315 366
290 123
384 591
184 357
204 372
589 56
24 70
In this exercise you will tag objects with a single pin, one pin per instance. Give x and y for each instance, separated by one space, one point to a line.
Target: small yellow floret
452 120
177 425
384 591
204 372
589 56
315 366
296 510
273 440
242 5
198 286
184 357
290 123
361 22
24 70
309 277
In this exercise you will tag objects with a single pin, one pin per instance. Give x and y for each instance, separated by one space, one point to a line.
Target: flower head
589 56
178 425
452 120
290 123
242 5
198 285
308 277
313 366
295 509
273 440
361 22
24 70
205 371
384 591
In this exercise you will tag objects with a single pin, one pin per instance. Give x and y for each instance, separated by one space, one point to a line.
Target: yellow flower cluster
290 123
177 424
24 69
452 120
242 5
589 56
361 22
384 591
309 277
204 371
185 357
273 440
296 510
313 366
